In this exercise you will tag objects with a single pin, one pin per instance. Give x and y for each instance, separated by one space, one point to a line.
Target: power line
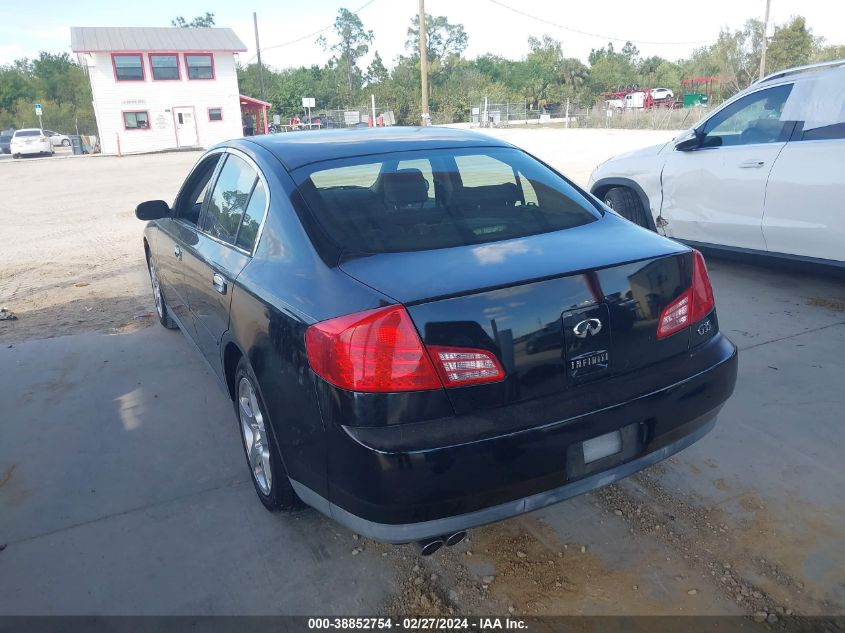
309 35
599 35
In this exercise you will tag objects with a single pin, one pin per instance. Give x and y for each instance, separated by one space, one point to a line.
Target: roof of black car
296 149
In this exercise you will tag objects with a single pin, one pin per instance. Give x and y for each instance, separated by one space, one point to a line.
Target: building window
164 67
200 66
128 67
136 120
215 114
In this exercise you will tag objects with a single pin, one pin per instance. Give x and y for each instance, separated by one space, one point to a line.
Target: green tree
16 84
442 39
376 71
352 44
611 70
792 45
824 53
737 55
60 79
201 21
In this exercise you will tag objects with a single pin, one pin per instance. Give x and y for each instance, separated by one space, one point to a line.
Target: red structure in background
258 109
700 85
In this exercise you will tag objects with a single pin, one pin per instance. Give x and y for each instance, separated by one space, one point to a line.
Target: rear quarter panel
283 289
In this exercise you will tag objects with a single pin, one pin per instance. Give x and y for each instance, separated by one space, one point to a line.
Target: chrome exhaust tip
428 546
456 538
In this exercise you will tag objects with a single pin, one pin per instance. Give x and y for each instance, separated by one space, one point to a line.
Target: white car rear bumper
27 149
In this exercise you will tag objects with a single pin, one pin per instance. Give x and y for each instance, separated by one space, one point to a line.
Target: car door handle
177 252
219 283
752 164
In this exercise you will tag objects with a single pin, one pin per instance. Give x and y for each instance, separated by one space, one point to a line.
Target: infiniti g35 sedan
424 330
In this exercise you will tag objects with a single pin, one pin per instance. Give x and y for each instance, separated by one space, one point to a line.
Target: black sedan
426 330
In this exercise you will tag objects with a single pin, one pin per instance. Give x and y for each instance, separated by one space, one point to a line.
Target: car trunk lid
557 311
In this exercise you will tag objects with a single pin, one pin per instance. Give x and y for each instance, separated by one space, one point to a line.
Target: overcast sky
668 28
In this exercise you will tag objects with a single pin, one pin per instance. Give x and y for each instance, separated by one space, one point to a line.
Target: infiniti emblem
587 327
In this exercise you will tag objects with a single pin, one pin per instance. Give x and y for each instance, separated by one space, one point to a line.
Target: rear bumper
403 494
28 150
407 532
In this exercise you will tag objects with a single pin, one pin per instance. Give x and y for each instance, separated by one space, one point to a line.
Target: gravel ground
72 258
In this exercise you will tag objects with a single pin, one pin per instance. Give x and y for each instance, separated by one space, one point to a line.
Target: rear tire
627 204
267 471
66 143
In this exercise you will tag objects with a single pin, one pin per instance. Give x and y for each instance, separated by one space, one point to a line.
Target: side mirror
690 141
152 210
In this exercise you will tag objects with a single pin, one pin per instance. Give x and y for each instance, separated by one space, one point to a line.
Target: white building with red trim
161 88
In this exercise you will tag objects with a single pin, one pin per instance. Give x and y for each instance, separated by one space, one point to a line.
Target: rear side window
253 217
410 201
825 133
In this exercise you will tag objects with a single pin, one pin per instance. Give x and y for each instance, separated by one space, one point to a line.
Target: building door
186 127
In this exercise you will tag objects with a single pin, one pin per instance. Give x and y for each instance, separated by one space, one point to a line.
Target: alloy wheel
255 436
156 289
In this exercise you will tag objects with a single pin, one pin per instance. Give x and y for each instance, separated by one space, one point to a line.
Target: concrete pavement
123 490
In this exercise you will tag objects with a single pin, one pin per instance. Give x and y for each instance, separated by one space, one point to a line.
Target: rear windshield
422 200
28 133
6 135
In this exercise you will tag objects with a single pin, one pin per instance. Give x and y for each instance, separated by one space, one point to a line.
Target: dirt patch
74 262
517 567
99 312
831 304
6 475
727 554
534 574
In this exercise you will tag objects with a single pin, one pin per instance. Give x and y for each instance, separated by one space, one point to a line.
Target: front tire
66 143
268 473
627 204
158 297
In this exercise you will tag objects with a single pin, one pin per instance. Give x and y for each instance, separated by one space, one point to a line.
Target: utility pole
765 30
423 66
258 51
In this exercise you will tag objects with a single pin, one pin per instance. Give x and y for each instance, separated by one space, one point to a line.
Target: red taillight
377 350
693 305
702 292
380 351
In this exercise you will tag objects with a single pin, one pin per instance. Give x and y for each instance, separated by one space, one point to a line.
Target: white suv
764 173
30 141
662 93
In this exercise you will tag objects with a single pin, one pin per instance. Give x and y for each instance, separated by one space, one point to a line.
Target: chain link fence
584 116
332 118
